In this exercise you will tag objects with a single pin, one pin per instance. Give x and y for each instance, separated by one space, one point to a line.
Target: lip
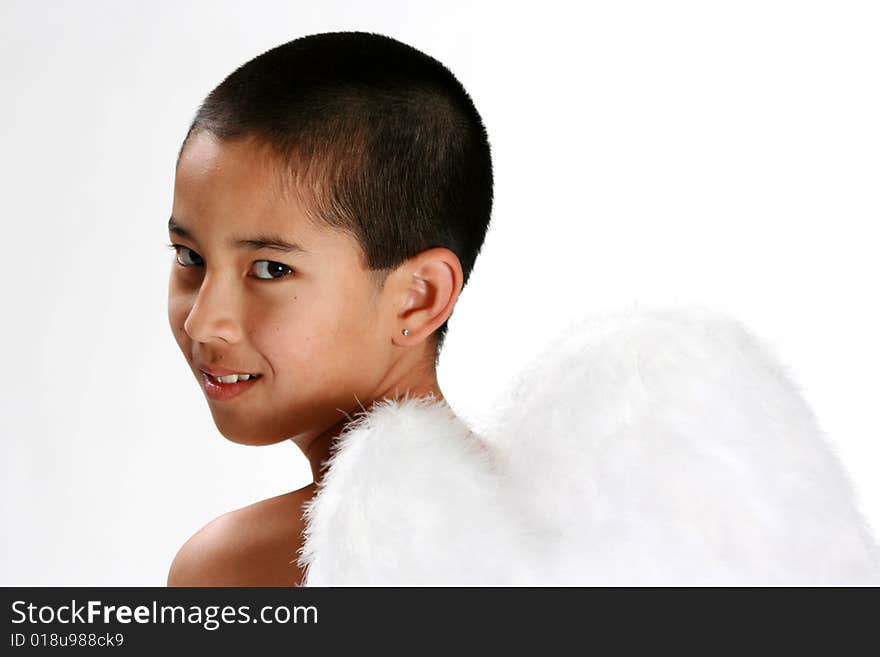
225 391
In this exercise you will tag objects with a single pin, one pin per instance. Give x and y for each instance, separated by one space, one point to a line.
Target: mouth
220 390
230 379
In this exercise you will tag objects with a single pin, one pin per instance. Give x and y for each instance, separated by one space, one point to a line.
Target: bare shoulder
256 545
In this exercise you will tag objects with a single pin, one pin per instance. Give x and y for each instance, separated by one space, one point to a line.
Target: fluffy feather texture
664 447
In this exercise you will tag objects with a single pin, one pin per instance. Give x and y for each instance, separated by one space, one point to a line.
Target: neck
318 450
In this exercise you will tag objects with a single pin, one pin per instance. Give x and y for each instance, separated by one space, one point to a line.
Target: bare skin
325 340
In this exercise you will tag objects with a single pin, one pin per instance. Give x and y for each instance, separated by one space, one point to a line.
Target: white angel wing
670 447
410 498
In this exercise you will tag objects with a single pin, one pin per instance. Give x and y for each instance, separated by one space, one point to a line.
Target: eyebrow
264 241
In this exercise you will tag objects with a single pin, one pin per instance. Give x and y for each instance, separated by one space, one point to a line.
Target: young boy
331 197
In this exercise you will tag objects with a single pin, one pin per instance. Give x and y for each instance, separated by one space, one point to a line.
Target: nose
214 315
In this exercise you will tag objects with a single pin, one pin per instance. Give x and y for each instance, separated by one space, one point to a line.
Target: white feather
411 497
664 447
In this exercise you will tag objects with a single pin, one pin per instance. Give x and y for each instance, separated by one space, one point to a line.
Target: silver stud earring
405 331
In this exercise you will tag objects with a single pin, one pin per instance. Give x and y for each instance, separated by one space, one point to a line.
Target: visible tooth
233 378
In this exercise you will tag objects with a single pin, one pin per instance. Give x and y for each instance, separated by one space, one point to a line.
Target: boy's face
309 322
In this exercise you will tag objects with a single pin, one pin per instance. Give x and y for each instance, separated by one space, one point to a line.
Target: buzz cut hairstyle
374 137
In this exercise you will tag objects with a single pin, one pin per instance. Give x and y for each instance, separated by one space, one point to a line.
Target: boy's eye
267 270
272 269
181 251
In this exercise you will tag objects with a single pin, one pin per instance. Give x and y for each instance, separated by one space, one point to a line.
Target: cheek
358 339
319 340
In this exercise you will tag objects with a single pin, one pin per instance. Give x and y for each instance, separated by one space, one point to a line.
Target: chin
247 439
251 435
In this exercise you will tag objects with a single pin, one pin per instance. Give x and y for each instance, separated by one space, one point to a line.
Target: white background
645 153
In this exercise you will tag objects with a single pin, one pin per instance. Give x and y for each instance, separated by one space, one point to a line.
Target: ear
429 285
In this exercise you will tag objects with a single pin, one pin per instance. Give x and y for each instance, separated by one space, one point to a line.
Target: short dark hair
379 139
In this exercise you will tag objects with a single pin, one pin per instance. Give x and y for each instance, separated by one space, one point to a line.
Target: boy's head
370 155
376 138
